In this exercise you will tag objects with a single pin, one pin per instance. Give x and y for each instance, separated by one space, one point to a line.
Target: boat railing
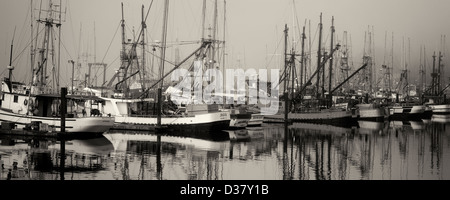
155 116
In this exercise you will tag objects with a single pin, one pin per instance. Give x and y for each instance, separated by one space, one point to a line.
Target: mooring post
63 109
63 130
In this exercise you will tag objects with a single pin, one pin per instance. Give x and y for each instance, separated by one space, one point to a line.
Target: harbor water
395 150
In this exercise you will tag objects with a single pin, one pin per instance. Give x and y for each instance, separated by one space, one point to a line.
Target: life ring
31 103
25 102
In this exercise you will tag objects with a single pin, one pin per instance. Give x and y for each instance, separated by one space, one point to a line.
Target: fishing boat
325 116
167 111
239 120
42 110
320 108
256 120
442 109
440 118
406 111
244 116
437 102
371 112
437 106
37 106
193 118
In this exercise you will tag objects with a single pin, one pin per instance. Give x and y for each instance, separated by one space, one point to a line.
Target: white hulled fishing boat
37 106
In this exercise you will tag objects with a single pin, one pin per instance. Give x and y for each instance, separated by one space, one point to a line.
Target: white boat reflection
95 146
440 118
238 135
370 127
256 133
417 125
322 128
28 158
120 141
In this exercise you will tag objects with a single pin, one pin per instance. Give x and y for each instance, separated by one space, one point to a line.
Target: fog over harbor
253 33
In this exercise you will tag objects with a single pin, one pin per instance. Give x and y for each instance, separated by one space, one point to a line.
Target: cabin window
16 98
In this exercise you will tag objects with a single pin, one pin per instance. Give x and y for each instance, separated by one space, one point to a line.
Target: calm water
371 151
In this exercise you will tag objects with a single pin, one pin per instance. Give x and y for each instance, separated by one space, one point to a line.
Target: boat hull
208 122
239 121
440 109
406 113
372 114
256 120
440 118
73 125
337 117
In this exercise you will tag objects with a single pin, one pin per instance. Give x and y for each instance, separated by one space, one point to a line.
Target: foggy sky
254 28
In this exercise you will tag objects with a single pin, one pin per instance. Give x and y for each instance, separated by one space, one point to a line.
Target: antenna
10 67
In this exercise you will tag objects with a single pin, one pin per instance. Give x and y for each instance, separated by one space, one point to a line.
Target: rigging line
133 48
165 60
140 27
147 35
176 67
26 47
62 43
23 28
3 71
271 58
111 42
190 17
298 25
325 41
114 61
71 25
148 11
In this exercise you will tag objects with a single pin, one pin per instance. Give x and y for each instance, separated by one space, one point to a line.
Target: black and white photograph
224 90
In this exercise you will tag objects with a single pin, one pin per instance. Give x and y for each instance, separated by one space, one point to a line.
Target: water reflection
370 150
32 158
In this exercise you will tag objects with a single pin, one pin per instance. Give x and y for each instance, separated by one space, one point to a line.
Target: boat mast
421 70
331 65
10 67
123 54
424 69
319 57
224 49
144 26
285 95
439 72
41 71
59 49
32 40
215 43
163 57
203 20
392 65
292 73
433 75
302 60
